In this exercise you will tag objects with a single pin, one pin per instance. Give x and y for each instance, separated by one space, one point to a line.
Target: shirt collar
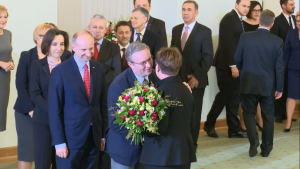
261 27
121 47
287 16
238 13
141 78
142 32
100 41
80 64
191 26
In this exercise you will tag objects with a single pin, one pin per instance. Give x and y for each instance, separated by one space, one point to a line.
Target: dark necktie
123 57
242 24
96 53
138 39
290 20
146 81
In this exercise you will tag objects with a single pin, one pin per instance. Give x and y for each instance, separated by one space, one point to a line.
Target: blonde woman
6 65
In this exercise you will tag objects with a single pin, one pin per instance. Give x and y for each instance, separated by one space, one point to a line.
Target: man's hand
102 145
187 85
278 95
234 72
31 113
193 82
10 67
62 152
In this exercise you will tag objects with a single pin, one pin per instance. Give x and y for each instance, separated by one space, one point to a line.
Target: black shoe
287 130
263 154
243 130
253 149
294 119
211 132
260 128
237 135
278 120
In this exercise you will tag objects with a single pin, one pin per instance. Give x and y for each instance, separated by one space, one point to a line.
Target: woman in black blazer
292 63
24 106
54 46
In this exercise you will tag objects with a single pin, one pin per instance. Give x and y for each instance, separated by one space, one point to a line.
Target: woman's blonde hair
3 9
41 28
297 14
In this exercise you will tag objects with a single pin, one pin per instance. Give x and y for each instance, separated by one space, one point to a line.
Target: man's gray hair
266 18
98 16
143 11
133 48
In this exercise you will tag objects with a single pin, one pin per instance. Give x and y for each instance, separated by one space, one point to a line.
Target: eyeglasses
256 11
144 62
41 36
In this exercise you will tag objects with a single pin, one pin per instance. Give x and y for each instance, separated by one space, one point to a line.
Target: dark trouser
249 105
104 160
185 166
228 96
85 157
44 152
280 104
198 101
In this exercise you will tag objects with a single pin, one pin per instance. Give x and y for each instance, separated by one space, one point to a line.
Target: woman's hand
10 67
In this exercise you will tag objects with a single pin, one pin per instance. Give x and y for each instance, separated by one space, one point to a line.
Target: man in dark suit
194 42
123 33
78 106
259 58
153 24
231 27
174 147
125 154
141 34
282 24
106 52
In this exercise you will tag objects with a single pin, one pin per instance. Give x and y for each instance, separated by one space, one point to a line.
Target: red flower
154 103
141 99
126 98
141 113
123 97
123 117
132 112
139 123
145 89
154 115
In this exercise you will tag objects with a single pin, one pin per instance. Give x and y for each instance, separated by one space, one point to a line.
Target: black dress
248 27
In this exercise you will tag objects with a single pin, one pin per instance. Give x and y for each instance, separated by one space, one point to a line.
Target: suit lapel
178 41
34 55
92 79
45 67
103 51
150 23
192 34
78 76
284 21
131 77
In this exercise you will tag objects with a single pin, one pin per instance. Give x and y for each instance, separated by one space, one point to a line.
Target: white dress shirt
141 36
288 20
191 27
121 47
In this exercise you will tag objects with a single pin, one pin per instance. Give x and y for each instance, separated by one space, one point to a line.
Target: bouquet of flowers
140 109
110 33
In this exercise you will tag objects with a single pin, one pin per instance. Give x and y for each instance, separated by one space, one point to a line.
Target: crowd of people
62 112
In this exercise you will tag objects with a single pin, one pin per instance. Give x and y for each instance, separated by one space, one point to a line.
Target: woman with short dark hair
55 44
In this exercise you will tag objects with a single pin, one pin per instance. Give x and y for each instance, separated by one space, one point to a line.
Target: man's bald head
83 45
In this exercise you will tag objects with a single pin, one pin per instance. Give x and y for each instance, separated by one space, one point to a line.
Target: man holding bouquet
174 147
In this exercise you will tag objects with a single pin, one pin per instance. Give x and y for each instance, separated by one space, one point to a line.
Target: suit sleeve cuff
59 146
232 66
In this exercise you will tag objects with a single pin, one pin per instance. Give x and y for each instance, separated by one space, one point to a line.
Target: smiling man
194 42
231 27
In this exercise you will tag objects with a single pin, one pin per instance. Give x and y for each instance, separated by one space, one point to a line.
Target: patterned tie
138 39
242 24
146 81
123 57
96 51
290 24
184 37
86 81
